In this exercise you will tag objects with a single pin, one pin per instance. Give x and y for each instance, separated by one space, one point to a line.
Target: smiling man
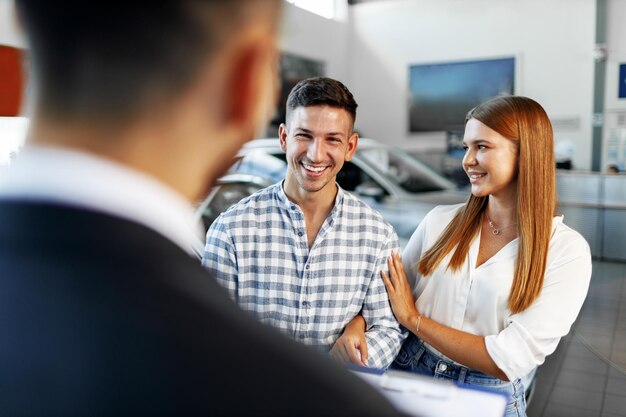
302 254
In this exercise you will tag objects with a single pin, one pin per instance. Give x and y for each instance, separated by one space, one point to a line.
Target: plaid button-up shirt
258 250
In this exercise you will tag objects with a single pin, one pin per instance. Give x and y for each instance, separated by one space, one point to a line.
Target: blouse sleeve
413 251
533 334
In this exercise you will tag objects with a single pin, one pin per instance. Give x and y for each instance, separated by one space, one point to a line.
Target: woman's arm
462 347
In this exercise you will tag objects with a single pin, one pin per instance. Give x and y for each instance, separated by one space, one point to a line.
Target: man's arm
219 256
351 347
384 334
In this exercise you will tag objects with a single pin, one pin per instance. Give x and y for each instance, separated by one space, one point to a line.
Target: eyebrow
476 142
302 129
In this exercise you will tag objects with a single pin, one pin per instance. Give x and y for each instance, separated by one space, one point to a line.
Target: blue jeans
416 358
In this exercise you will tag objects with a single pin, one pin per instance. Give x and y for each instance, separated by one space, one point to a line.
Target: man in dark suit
136 109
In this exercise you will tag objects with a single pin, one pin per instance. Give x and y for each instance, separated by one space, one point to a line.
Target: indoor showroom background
569 55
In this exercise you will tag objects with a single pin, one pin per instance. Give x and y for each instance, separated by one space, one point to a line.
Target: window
403 170
353 178
324 8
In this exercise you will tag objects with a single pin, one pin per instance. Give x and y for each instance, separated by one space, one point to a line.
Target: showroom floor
586 376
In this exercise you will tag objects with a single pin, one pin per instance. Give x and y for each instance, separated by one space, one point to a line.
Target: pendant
495 232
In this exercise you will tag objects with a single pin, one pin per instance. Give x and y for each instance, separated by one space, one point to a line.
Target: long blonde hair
523 121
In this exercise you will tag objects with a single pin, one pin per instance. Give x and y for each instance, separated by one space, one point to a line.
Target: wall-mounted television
443 93
293 68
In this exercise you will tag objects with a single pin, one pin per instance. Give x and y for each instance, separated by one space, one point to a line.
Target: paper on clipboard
408 383
423 396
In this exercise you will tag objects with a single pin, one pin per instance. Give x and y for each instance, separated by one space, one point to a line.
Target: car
396 184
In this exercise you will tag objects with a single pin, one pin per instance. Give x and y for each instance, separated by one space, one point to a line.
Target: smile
476 176
313 168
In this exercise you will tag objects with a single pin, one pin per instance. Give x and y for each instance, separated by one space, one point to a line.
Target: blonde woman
488 288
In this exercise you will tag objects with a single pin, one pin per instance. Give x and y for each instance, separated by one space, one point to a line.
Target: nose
315 152
469 159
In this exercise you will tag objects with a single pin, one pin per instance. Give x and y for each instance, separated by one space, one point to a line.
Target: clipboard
423 396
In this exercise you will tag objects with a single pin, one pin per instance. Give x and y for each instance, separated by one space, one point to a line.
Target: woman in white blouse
487 288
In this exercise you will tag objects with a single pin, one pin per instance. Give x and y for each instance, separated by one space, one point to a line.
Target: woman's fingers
393 275
399 269
387 281
397 261
392 267
396 272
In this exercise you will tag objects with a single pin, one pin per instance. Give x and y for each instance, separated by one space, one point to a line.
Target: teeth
314 169
476 176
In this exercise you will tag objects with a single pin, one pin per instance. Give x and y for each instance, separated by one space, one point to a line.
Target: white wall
552 41
312 36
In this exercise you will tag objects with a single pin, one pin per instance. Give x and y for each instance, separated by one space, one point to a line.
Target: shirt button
293 207
300 234
443 367
308 266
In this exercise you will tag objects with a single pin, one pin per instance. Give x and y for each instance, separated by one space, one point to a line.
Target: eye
465 148
481 147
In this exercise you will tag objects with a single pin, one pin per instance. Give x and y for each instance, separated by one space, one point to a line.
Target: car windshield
262 163
403 169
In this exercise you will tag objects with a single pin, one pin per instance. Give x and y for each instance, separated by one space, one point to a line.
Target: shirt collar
78 179
287 204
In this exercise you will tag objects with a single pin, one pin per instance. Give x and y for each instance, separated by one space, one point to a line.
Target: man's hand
351 345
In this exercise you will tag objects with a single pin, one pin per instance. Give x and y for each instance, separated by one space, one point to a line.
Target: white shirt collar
86 181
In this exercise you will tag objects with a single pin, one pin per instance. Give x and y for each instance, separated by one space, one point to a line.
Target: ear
250 91
353 141
282 136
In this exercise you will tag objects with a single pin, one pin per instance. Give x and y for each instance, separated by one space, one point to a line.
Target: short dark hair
320 91
107 60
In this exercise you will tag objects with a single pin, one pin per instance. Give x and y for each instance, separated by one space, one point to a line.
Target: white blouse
474 300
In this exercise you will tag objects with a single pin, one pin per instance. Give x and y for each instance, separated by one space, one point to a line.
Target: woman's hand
400 293
350 342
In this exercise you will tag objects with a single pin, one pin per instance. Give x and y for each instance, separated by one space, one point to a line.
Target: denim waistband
414 349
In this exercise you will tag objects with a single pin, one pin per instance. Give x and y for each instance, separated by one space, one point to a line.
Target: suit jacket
102 316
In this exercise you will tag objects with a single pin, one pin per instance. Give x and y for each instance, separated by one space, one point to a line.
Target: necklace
494 229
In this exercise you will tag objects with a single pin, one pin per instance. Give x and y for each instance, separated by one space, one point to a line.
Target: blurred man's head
182 68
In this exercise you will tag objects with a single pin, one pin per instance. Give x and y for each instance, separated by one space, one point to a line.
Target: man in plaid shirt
304 255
